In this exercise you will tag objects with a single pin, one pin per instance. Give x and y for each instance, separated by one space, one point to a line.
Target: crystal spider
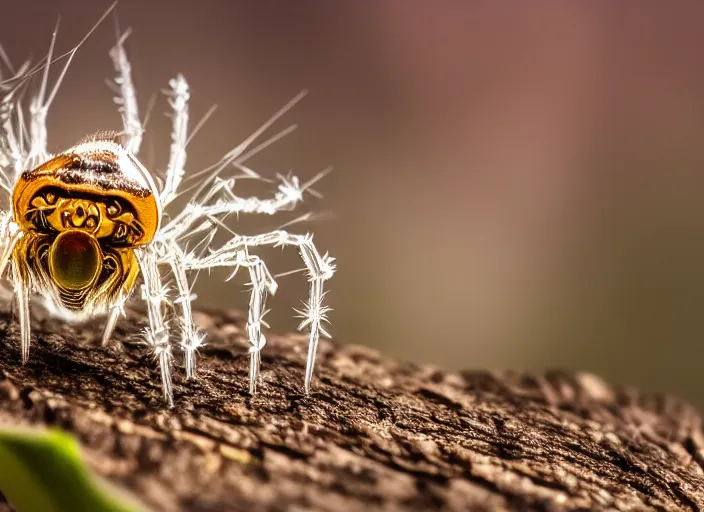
83 225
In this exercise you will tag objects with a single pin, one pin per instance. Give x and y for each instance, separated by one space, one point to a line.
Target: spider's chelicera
82 226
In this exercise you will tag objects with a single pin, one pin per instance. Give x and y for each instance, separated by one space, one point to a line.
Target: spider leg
127 99
289 194
157 335
261 281
110 324
22 294
211 186
13 154
10 233
178 99
320 269
39 107
191 338
25 145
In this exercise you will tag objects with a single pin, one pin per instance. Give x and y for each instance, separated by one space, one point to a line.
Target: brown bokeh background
516 185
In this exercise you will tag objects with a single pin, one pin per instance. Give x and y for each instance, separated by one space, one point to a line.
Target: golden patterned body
83 213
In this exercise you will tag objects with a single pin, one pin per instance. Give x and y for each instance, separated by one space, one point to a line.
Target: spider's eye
114 209
74 260
120 232
50 197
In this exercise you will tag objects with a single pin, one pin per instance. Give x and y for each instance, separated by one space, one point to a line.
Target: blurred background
516 185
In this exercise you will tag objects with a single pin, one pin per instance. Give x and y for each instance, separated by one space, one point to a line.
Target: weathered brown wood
375 435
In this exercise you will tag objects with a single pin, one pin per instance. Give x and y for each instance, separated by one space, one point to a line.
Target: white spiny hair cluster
185 239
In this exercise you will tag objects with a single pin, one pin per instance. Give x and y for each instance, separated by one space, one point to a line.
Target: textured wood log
375 435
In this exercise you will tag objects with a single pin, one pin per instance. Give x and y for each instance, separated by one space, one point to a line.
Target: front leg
157 334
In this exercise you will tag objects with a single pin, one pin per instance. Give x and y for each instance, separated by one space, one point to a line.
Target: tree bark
375 434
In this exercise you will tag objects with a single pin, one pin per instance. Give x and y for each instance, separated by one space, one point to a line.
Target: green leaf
43 472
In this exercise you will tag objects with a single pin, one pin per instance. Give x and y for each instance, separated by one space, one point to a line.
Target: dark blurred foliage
516 184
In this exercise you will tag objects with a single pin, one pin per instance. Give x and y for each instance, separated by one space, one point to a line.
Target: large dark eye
74 260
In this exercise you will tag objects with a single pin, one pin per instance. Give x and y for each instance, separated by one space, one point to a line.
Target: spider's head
96 187
86 208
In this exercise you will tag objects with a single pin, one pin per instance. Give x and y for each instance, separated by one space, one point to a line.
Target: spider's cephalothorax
82 213
84 224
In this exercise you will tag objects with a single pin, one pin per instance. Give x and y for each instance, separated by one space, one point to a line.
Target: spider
84 224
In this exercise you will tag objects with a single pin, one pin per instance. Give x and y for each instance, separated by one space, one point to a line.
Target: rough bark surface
375 434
